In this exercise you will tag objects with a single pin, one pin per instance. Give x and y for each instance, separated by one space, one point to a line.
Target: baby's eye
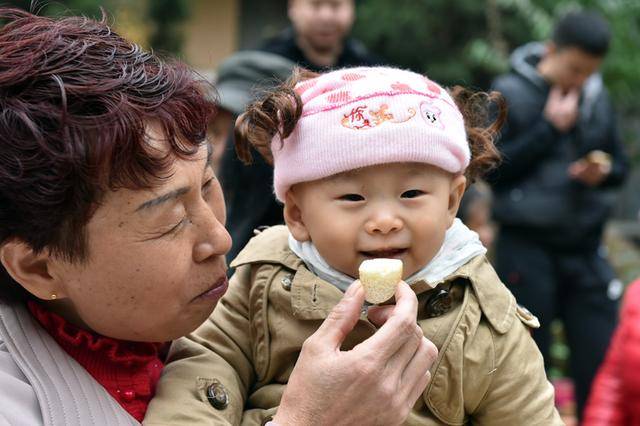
412 193
351 197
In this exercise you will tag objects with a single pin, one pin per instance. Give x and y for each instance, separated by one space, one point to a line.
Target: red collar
129 371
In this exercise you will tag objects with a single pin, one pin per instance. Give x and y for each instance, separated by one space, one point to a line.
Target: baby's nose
384 223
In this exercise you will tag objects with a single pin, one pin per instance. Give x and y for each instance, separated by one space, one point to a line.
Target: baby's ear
456 191
293 217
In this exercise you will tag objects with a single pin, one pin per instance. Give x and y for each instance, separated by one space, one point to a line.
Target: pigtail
484 115
277 113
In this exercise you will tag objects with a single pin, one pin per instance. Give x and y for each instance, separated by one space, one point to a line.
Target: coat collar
497 303
269 246
313 298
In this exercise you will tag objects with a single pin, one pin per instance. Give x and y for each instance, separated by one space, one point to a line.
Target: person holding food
555 190
371 164
112 241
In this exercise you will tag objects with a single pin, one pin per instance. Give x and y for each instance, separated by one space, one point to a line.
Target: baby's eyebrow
349 174
413 169
341 179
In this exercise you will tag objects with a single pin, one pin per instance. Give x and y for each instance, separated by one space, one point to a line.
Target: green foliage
622 65
167 16
430 36
61 7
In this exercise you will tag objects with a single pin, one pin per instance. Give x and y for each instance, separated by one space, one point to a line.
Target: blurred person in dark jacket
240 79
318 38
563 156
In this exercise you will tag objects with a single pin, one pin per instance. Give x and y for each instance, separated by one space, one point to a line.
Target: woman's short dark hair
75 99
586 30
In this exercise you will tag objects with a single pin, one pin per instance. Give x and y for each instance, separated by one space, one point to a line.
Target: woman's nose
212 237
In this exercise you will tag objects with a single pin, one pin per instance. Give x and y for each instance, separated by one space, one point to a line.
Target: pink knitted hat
359 117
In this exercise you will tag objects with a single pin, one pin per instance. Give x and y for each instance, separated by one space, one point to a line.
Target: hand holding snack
325 388
379 278
592 169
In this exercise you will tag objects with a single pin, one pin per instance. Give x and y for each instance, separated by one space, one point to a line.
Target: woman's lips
216 291
386 253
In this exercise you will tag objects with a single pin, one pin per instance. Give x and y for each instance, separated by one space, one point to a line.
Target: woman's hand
377 382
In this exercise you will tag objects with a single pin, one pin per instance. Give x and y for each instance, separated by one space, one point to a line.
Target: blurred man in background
562 156
319 36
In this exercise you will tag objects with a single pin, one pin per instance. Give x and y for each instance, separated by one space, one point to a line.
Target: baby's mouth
385 253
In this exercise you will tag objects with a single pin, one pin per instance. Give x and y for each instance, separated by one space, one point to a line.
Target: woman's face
156 266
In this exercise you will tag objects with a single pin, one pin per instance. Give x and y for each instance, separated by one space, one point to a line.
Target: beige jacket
489 370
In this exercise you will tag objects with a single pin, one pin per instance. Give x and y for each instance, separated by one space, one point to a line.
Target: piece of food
379 278
599 157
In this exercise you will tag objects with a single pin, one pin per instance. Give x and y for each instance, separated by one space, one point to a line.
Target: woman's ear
293 217
30 269
456 191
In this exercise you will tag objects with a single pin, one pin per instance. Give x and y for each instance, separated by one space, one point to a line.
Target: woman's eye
352 197
412 193
174 229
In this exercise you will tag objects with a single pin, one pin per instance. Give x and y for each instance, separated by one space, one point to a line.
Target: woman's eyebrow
171 195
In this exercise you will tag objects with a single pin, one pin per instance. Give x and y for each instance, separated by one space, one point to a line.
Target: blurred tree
155 23
79 7
430 36
167 17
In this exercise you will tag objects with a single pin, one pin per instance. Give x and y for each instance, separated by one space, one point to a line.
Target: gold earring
54 296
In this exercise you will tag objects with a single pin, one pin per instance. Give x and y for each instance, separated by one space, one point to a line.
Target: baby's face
399 210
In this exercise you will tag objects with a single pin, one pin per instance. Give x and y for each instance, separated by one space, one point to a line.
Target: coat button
286 282
217 396
438 304
526 314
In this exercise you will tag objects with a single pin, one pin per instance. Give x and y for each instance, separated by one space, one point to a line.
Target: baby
369 163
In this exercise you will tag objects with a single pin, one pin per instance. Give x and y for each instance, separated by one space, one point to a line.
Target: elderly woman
112 242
